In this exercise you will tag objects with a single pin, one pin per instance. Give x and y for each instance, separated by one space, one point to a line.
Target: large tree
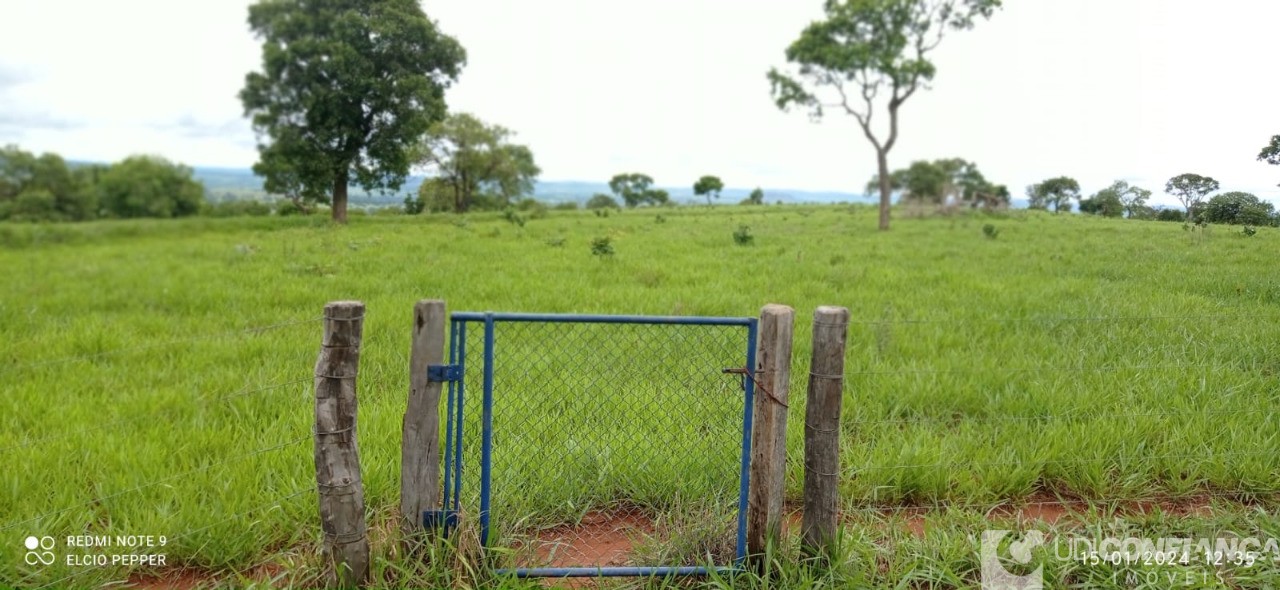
637 189
865 50
1239 208
941 181
470 160
150 186
709 187
44 188
347 88
1271 153
1190 190
1056 192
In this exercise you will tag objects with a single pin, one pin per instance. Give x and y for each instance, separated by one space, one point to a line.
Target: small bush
288 208
601 212
991 231
743 236
534 208
238 208
660 219
602 247
1249 231
566 206
414 205
512 217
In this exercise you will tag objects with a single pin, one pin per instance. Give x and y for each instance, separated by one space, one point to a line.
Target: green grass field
157 376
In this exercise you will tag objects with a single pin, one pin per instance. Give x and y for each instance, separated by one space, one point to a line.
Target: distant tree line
1122 199
47 188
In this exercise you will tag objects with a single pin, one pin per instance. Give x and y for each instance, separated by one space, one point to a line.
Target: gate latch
444 373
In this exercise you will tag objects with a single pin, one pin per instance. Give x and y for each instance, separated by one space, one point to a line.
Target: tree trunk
882 158
340 197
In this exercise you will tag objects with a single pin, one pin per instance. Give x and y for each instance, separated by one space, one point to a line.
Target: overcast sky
1096 89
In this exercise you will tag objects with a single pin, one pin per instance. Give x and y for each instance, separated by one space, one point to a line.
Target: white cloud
1096 89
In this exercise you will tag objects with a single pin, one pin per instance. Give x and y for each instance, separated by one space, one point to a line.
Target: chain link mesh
613 444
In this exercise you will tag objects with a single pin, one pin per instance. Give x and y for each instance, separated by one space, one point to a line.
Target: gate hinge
444 373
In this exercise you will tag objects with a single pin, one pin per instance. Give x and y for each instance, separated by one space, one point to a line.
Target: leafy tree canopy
150 186
636 189
1239 208
940 181
1056 192
472 160
708 186
44 188
1190 190
347 88
865 51
602 201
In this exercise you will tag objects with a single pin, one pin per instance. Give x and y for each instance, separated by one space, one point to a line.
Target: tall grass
981 371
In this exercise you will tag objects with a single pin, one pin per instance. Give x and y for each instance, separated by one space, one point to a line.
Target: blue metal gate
605 445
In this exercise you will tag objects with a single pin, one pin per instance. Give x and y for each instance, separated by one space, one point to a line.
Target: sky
1100 90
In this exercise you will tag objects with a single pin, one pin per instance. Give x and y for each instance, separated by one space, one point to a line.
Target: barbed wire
272 504
158 482
1099 461
1056 369
1014 504
134 417
75 358
1092 415
1064 319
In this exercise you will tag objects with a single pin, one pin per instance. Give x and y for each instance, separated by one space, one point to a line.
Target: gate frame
453 432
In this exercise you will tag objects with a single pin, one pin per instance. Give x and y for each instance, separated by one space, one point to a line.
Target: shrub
1249 231
535 208
991 231
743 236
1237 208
414 205
512 217
660 219
238 208
602 247
566 206
287 208
1170 215
602 201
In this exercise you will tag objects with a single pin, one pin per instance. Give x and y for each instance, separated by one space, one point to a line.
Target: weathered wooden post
769 429
346 545
822 430
420 445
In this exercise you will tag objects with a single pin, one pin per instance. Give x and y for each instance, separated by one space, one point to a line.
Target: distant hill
241 183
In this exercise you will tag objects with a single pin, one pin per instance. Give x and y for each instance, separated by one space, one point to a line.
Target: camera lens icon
39 550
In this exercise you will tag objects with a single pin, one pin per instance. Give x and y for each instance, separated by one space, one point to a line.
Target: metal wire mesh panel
611 445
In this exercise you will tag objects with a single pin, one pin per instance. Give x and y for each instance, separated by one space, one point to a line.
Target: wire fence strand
1013 504
1085 416
135 417
1065 319
181 341
1099 461
162 480
235 517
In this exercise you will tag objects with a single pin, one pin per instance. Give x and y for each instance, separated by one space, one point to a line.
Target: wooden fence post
420 445
822 429
346 544
769 429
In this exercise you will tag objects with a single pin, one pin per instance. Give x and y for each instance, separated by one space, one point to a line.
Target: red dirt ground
600 539
606 539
